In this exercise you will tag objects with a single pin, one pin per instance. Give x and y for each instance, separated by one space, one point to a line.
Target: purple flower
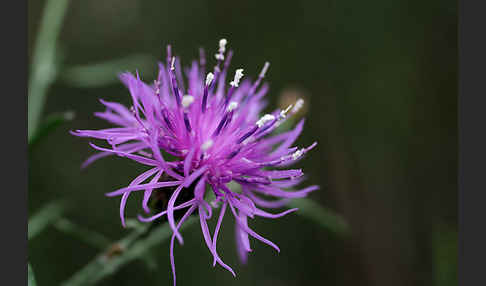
214 135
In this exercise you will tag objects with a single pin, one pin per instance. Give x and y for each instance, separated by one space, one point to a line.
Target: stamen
276 123
298 105
206 145
187 100
174 83
283 113
259 124
259 79
266 118
264 70
248 134
297 154
238 76
165 114
222 45
228 116
209 79
234 84
233 154
232 106
172 64
187 123
220 125
222 48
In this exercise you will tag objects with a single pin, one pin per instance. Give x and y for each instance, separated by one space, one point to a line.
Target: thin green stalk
134 246
43 70
90 237
30 276
321 215
47 215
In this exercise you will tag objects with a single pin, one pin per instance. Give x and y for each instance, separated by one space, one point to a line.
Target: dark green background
381 82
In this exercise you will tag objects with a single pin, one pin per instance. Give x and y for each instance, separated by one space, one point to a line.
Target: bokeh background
380 82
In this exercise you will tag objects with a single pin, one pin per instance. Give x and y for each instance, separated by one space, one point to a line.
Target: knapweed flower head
214 134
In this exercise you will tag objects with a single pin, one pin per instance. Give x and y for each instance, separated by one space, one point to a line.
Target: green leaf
30 276
313 211
321 215
43 71
135 246
47 215
51 123
105 73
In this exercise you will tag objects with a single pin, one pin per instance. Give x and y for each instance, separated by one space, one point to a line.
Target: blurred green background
380 82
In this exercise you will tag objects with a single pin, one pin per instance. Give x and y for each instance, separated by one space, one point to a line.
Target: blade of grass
47 215
104 73
128 250
312 210
43 70
321 215
30 276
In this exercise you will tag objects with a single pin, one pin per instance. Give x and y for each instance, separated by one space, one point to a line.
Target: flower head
215 136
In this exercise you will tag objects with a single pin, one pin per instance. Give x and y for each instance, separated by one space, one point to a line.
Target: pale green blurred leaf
46 216
30 276
134 246
313 211
321 215
105 73
44 69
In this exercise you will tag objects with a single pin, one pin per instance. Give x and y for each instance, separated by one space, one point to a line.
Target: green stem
43 69
134 246
43 218
90 237
30 276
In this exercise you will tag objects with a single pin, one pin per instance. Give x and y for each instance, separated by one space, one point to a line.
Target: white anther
172 64
283 113
298 105
209 78
238 76
206 145
264 119
187 100
297 154
222 48
222 45
264 70
232 106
